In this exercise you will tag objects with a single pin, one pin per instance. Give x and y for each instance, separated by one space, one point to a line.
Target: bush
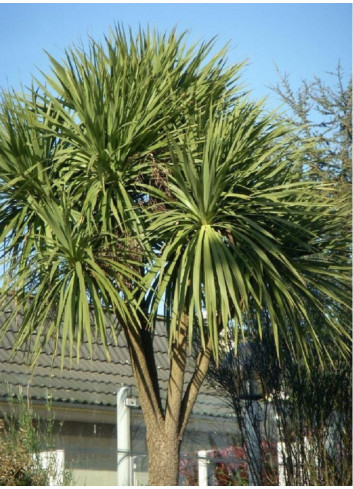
23 436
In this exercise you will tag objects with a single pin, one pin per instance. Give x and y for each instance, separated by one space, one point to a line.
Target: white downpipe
53 462
280 460
281 449
123 438
202 468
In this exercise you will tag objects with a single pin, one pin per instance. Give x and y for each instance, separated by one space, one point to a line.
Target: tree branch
202 364
176 377
145 372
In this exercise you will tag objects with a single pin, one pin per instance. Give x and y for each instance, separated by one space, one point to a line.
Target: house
102 437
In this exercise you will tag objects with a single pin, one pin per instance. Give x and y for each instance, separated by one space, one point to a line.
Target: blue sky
301 39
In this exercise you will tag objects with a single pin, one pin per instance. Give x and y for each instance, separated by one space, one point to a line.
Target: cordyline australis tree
140 173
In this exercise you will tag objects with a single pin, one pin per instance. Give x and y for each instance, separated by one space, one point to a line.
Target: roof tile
92 381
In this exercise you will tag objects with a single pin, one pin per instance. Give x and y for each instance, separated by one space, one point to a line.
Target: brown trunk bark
164 454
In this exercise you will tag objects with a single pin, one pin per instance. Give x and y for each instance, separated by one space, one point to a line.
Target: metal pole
123 438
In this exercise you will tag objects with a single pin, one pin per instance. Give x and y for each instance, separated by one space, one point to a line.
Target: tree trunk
165 427
164 454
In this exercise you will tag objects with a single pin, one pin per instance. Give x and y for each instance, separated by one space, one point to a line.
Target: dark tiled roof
92 381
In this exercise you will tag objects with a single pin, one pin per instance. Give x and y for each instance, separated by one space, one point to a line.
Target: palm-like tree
142 174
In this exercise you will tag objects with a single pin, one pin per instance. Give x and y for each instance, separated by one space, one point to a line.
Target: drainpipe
123 437
202 468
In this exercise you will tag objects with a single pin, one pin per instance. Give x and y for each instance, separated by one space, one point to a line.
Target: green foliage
238 222
141 173
23 435
72 173
324 113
